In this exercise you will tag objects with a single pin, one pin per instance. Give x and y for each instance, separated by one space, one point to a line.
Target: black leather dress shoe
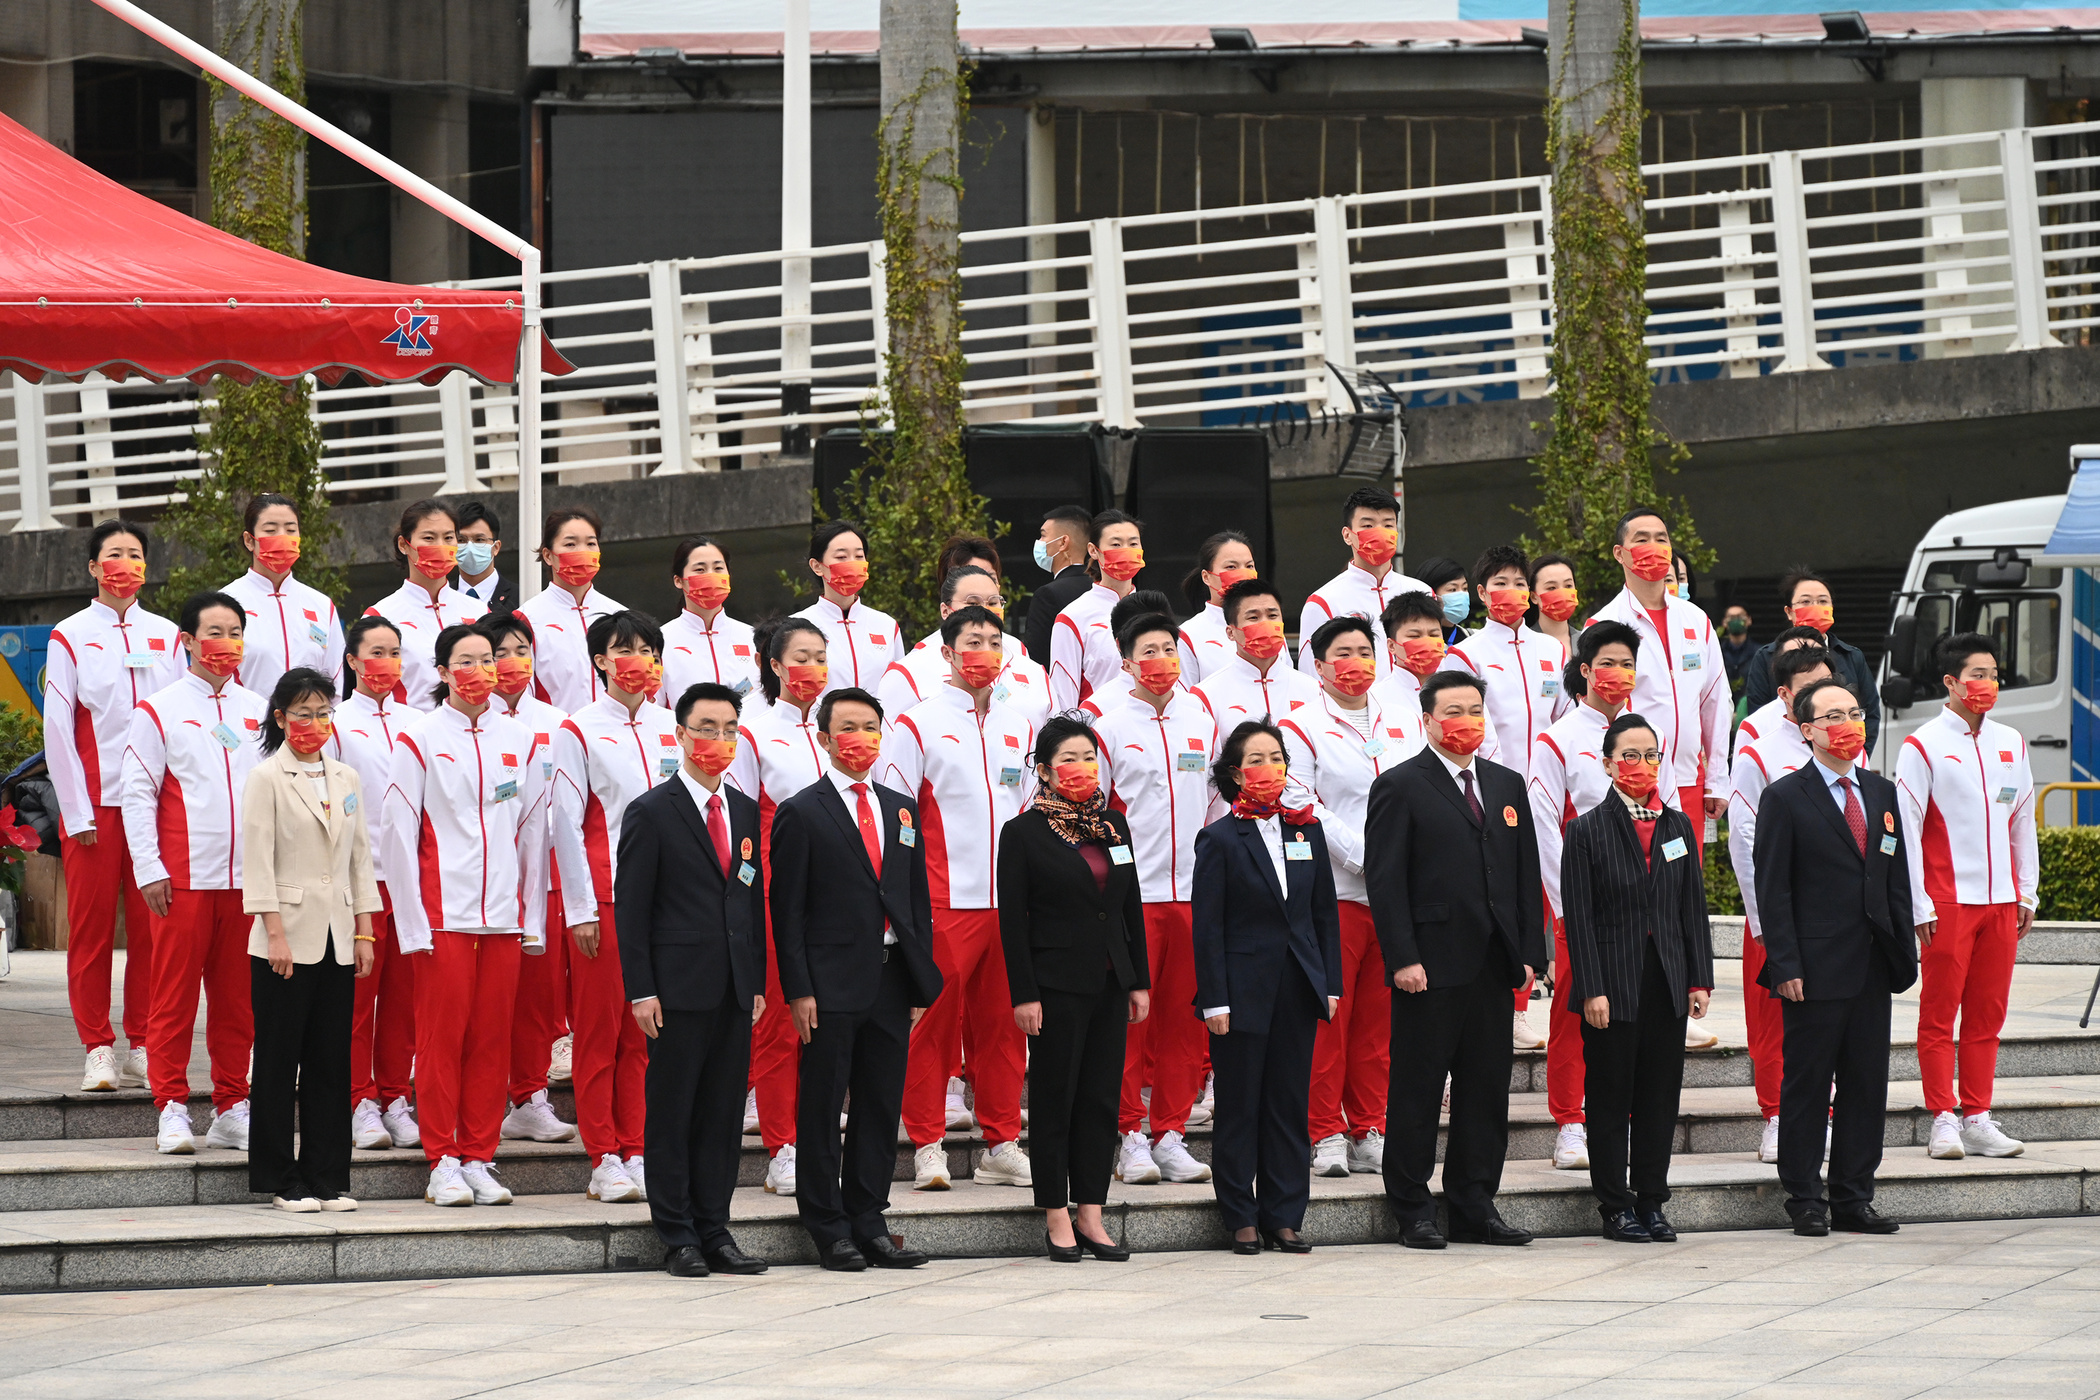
1274 1239
1864 1221
884 1253
1626 1227
686 1262
1813 1223
731 1260
1421 1234
1490 1231
1659 1229
843 1258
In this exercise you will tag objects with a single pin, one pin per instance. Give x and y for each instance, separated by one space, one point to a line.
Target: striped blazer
1614 902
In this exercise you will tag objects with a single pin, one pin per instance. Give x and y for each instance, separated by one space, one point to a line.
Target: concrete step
2045 943
2041 1053
29 1115
201 1245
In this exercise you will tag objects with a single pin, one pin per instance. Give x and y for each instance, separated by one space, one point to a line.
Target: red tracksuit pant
202 941
541 1016
97 878
776 1060
383 1018
1564 1064
1967 968
1165 1051
972 1018
466 992
611 1055
1766 1026
1353 1053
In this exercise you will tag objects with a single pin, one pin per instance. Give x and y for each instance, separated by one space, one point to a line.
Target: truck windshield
2024 625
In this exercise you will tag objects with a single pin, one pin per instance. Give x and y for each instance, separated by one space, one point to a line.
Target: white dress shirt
484 591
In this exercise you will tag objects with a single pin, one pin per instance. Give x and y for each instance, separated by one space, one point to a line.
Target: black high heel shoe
1062 1253
1271 1239
1108 1252
1240 1246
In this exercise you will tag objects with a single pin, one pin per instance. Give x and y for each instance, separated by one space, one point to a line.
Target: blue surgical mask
476 557
1044 560
1457 608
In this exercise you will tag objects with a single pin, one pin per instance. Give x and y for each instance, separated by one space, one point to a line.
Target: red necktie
718 827
870 834
1855 815
1465 778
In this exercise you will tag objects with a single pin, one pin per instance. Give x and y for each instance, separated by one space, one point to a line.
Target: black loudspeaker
1186 484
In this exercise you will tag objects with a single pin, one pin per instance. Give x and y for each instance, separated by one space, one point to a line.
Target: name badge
228 740
139 660
1189 762
1001 692
1373 746
1119 855
1673 849
505 791
349 804
2005 794
1300 849
1692 660
907 836
742 687
1548 687
1009 777
547 770
1888 845
746 872
667 767
315 635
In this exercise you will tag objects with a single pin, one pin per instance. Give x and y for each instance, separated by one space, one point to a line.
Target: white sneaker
338 1203
175 1130
1134 1164
750 1112
400 1123
929 1167
1205 1108
368 1129
561 1063
135 1068
1827 1128
1768 1141
634 1174
1447 1096
959 1117
1367 1153
229 1129
481 1180
1945 1142
1984 1138
780 1172
448 1184
298 1205
102 1073
536 1119
1330 1156
1005 1165
1571 1147
1175 1164
609 1181
1698 1037
1522 1036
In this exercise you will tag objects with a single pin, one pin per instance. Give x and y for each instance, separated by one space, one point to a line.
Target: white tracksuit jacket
96 672
1333 764
1155 768
970 774
186 767
1967 804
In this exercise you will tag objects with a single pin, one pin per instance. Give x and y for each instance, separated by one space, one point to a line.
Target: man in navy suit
1833 895
853 935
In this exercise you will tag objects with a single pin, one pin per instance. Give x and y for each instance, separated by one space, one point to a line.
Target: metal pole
529 508
794 227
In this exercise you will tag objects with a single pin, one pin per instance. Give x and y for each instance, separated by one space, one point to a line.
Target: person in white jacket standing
1083 655
186 765
1256 680
427 545
704 643
1966 795
466 820
861 641
1221 561
1022 686
102 662
562 613
1371 529
289 624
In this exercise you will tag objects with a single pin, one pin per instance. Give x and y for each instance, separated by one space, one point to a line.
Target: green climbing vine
1601 458
257 437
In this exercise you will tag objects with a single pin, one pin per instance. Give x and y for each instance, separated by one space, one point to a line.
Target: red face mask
1376 544
707 591
219 655
1228 577
1122 564
576 567
1262 786
306 736
380 673
980 668
806 683
1262 640
1463 733
436 560
122 577
1353 675
1612 684
1421 655
513 674
634 674
712 756
847 577
1560 604
1508 605
1158 673
1816 615
472 681
1649 561
1847 739
1977 696
1077 782
857 750
1635 777
277 553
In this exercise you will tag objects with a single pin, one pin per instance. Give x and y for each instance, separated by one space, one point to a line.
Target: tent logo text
412 332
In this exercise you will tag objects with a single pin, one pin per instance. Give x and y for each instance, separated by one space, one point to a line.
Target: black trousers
1845 1041
693 1135
302 1074
1075 1079
1461 1031
1260 1156
1633 1076
843 1196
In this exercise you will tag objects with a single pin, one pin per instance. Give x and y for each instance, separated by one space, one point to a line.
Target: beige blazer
309 866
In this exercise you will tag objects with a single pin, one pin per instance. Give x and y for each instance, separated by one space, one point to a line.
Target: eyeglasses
1653 757
308 716
1854 715
710 731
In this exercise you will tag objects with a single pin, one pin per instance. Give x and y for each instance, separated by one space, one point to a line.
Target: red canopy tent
95 277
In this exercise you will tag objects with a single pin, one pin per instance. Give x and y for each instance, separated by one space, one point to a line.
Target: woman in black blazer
1641 955
1072 920
1267 940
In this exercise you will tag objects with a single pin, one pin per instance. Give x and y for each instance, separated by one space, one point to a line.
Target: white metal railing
1779 262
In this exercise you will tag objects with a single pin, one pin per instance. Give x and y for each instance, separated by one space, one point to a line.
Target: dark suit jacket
1615 903
1247 931
688 934
1060 930
829 909
1440 888
1048 601
1848 661
1824 910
